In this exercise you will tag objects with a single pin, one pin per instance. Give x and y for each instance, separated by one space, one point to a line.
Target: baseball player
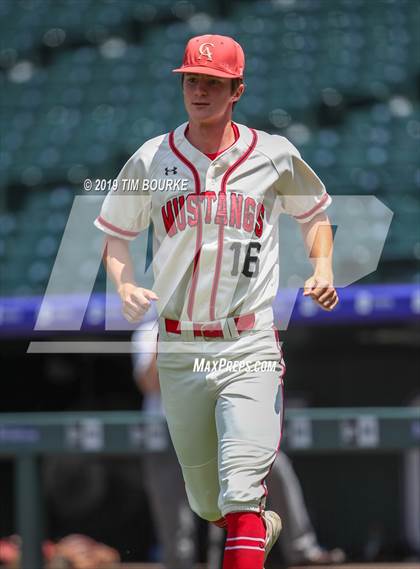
214 190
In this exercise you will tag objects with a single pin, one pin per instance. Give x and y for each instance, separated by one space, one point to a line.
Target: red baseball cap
219 56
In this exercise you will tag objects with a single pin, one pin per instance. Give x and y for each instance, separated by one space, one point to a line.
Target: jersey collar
200 160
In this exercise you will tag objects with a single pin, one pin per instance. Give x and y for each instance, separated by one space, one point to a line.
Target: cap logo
204 50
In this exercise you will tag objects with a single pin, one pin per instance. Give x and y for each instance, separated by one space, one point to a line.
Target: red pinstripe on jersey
105 223
314 209
225 178
199 235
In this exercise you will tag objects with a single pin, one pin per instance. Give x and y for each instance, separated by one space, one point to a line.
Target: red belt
212 329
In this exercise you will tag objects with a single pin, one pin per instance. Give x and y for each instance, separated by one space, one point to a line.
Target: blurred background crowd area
85 82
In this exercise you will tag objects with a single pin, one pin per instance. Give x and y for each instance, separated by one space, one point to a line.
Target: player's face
207 98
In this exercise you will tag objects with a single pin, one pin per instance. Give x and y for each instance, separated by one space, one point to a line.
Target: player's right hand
135 301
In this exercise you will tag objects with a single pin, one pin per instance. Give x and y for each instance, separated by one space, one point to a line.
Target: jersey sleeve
302 193
126 210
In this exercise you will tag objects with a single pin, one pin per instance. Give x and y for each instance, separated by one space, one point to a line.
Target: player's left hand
320 288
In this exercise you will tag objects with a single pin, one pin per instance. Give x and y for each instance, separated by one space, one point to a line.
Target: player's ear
238 93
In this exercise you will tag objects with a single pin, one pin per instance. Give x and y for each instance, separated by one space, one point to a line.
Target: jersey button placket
218 172
211 179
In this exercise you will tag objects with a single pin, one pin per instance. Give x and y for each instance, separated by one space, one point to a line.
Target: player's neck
211 137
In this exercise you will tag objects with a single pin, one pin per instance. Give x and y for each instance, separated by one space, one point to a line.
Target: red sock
221 523
244 547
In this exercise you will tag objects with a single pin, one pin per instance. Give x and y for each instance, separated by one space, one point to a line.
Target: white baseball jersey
215 221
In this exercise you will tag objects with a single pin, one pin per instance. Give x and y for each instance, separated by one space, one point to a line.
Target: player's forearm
118 262
318 237
135 300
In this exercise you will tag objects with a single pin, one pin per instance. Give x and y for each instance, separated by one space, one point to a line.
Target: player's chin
200 112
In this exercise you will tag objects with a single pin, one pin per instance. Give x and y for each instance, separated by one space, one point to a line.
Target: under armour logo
204 49
172 170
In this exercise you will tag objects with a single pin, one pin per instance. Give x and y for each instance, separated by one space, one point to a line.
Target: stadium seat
104 92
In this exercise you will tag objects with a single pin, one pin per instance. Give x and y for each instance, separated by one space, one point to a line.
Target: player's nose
200 87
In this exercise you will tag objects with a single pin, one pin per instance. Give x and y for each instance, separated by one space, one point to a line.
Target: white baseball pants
225 423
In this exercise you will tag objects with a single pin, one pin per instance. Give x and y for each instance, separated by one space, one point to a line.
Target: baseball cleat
273 528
